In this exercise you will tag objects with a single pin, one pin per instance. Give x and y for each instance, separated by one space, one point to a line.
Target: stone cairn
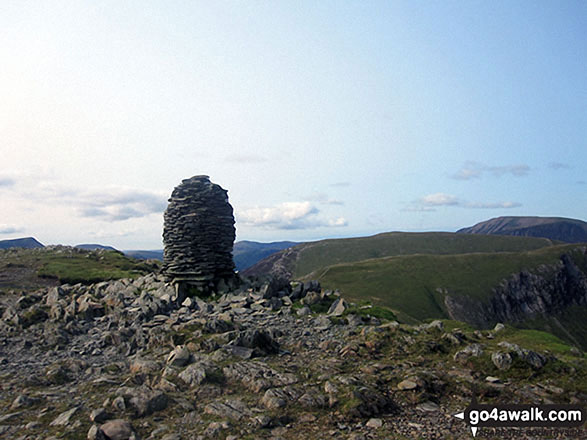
198 235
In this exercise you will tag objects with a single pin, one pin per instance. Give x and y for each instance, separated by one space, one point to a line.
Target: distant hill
245 253
26 243
93 247
543 289
305 258
146 255
567 230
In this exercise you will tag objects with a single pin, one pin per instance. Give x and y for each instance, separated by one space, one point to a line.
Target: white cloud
117 204
288 215
439 199
432 201
474 170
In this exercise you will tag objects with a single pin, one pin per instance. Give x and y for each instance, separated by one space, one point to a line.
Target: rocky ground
129 359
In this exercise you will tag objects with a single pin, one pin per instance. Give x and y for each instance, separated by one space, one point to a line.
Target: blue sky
321 119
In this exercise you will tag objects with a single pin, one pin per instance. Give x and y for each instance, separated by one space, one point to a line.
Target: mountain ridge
563 229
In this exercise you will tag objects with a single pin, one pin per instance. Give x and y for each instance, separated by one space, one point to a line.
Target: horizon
322 121
297 242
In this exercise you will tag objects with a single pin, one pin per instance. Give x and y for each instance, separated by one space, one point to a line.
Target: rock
242 352
119 404
198 234
259 340
117 430
99 415
428 406
434 325
304 311
145 402
22 401
535 360
95 433
338 307
498 327
374 423
233 409
64 418
407 385
369 402
142 366
179 357
313 400
195 374
503 361
473 350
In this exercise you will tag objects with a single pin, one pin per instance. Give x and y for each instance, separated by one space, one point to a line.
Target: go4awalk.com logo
523 416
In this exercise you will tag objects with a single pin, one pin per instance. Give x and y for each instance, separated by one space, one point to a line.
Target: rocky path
129 359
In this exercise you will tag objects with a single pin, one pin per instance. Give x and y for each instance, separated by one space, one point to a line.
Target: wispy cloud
6 181
432 201
559 166
474 170
117 204
288 215
10 229
324 199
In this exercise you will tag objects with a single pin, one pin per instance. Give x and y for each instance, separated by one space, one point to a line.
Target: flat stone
374 423
64 418
407 385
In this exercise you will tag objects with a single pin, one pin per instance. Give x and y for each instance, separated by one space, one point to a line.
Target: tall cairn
198 235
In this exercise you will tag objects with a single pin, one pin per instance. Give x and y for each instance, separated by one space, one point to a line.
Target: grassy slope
34 268
324 253
414 285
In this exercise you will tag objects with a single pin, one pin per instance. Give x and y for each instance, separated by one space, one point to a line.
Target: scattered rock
117 430
338 307
407 385
503 361
64 418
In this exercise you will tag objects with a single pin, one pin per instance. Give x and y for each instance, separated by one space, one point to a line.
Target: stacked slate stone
198 234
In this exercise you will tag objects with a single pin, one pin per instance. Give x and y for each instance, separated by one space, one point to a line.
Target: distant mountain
247 253
93 247
556 228
27 243
308 257
146 255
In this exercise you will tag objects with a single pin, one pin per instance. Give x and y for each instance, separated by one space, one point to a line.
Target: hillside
247 253
26 243
556 228
305 258
543 288
93 247
49 266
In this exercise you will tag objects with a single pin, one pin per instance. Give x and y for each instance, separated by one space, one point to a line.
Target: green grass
91 268
417 284
35 268
314 255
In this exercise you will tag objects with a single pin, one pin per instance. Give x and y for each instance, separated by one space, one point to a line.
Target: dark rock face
198 234
526 295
